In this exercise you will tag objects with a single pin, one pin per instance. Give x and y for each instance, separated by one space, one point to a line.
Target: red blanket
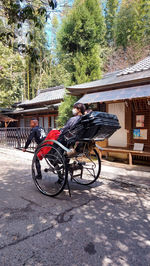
53 134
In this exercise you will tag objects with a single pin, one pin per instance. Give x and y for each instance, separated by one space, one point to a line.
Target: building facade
15 125
125 93
44 107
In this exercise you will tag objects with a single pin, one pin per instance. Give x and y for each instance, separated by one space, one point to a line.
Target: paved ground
107 224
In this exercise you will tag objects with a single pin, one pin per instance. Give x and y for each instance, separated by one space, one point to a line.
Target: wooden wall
134 108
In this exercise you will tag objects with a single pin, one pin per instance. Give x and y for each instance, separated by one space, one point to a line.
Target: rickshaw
78 160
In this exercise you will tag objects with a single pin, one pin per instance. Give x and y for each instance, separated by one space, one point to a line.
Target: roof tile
46 96
140 66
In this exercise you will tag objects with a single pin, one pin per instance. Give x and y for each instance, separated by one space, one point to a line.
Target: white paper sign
138 146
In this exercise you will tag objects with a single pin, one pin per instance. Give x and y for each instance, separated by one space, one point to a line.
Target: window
52 122
22 122
45 122
41 121
55 121
27 122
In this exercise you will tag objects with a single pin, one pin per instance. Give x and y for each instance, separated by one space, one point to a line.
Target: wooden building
125 93
44 107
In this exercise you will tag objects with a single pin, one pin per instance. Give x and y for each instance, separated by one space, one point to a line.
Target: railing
16 137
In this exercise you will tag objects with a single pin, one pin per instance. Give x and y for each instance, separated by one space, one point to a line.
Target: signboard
139 120
139 133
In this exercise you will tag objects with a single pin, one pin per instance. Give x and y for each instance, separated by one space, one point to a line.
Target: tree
22 29
82 28
18 11
131 29
110 16
80 34
87 66
11 76
35 54
79 39
133 22
50 74
65 109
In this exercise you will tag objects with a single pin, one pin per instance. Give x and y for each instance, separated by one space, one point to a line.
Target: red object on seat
53 134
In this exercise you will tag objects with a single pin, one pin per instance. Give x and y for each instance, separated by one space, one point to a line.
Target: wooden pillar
100 154
130 158
128 123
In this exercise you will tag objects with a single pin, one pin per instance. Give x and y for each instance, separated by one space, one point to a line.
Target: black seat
93 125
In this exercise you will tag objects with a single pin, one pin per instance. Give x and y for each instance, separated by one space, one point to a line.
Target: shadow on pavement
95 226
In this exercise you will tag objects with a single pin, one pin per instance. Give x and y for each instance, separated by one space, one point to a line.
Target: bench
129 152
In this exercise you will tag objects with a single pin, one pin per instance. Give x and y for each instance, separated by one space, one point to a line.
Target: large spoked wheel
87 168
49 174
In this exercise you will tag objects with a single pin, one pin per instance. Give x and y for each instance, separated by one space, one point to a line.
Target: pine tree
87 66
81 31
79 40
65 109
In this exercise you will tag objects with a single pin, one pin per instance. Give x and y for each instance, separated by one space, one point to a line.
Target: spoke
53 173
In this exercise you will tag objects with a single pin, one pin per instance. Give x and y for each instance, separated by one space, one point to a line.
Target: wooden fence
16 137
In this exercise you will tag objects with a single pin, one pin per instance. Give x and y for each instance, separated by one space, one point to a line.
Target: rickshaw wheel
87 168
53 169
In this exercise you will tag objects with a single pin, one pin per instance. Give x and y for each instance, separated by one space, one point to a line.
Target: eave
117 82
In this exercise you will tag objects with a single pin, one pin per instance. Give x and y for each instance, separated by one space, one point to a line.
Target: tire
53 169
90 168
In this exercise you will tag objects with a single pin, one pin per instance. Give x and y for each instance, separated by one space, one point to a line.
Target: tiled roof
110 82
140 66
108 77
4 110
115 95
48 95
33 110
116 79
6 118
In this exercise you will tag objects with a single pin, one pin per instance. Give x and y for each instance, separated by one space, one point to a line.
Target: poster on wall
139 133
139 120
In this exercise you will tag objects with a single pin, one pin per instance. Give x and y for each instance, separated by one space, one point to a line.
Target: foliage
36 58
22 29
20 17
110 10
18 11
131 34
133 22
65 109
81 32
89 41
11 76
79 39
86 67
82 28
50 75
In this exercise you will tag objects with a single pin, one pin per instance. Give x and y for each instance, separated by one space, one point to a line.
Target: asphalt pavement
105 224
